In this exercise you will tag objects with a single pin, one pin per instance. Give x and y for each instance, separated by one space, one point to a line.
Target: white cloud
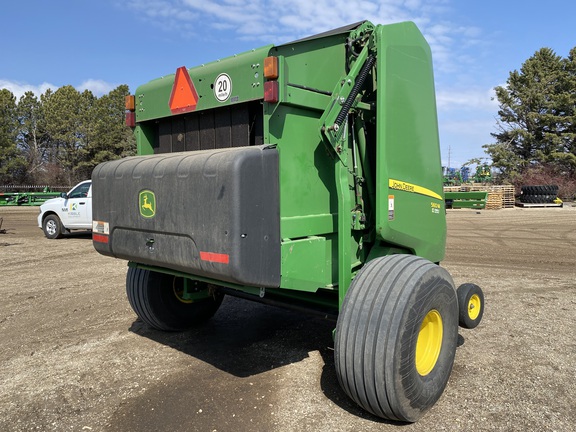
97 87
159 9
279 21
469 99
462 138
19 88
480 127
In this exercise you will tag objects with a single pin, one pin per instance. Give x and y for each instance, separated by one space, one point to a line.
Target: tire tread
373 313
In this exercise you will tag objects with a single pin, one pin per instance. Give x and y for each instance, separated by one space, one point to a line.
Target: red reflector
184 96
215 257
271 91
131 119
100 238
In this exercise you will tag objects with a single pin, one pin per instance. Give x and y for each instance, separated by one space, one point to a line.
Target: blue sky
98 45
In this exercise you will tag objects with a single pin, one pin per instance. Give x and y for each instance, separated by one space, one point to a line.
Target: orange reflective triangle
183 97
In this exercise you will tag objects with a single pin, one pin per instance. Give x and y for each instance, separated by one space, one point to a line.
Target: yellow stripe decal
412 188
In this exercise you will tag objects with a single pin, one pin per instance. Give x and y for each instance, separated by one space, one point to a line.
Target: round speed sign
222 87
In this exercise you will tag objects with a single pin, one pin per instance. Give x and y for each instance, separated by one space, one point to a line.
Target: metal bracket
344 99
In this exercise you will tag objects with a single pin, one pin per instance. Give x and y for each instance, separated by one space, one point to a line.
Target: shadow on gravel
78 235
332 390
245 338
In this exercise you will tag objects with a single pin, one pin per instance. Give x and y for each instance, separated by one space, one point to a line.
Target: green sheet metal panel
410 203
246 77
305 264
309 69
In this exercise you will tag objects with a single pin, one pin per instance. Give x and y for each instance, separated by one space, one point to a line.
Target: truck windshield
81 191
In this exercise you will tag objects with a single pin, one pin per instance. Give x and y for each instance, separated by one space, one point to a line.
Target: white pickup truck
73 210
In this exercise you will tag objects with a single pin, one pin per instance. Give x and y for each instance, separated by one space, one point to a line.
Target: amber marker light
271 67
130 103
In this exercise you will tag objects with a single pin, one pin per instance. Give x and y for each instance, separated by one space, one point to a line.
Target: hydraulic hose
355 90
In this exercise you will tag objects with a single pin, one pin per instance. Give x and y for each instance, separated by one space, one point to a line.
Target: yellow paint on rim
429 342
474 306
179 293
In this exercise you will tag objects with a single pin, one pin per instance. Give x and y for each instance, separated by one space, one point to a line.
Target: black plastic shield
211 213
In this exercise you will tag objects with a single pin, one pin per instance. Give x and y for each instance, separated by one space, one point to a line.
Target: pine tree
12 165
536 116
32 138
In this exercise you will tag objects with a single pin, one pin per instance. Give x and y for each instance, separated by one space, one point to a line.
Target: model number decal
222 87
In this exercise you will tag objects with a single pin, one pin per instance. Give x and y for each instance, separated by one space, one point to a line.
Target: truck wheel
470 305
156 299
396 336
52 227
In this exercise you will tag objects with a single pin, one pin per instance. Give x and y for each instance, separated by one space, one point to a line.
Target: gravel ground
73 356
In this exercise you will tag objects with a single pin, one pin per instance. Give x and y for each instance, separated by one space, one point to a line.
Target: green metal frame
26 198
472 199
325 302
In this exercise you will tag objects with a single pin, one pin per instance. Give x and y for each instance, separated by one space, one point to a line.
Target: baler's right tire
396 336
155 299
470 305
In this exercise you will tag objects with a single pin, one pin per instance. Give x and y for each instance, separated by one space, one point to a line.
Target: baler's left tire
155 297
396 336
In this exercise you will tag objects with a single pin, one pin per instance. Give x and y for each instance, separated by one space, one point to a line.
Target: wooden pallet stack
508 195
494 201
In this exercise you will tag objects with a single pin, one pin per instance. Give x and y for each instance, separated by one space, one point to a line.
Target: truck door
78 207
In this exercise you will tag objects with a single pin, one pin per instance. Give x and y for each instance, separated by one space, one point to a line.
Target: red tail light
271 91
130 119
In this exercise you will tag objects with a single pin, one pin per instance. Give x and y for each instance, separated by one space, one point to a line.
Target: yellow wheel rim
179 293
429 342
474 305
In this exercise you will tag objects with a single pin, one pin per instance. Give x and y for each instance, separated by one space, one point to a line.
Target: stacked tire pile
542 194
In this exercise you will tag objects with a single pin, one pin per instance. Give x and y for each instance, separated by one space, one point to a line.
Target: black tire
470 305
540 190
52 227
381 323
154 298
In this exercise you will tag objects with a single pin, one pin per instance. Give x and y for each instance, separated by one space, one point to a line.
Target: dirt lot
73 357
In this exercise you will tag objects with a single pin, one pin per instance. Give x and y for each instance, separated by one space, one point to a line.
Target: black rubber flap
212 213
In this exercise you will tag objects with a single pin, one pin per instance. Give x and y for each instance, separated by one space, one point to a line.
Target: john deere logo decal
147 204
